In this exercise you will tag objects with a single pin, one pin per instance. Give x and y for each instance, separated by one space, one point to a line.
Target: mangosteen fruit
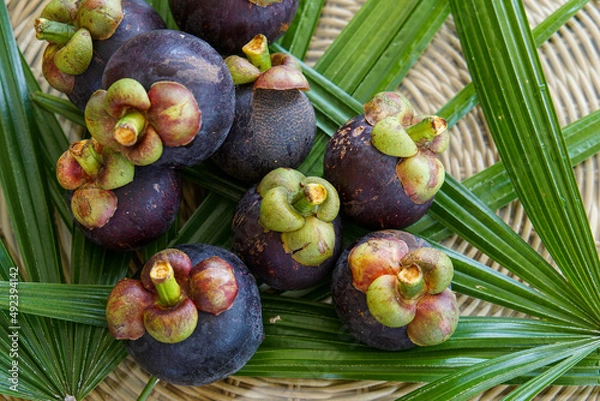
229 24
287 229
116 204
274 124
168 100
384 163
82 35
192 316
391 290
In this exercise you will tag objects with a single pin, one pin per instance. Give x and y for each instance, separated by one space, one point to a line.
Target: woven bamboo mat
570 59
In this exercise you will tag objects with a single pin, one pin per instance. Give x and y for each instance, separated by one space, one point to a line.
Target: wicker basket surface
569 59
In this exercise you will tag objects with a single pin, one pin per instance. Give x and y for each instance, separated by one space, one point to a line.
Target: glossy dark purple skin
146 208
138 17
351 304
229 24
263 252
167 55
271 129
370 190
220 346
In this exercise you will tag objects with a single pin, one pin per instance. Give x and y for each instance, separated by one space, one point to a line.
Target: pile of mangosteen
157 101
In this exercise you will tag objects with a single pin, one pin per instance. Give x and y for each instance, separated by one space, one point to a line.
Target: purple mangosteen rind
229 24
146 208
366 180
352 305
138 17
257 143
264 254
167 55
220 344
275 123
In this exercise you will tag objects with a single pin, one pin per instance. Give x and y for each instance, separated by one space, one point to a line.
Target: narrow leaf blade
511 86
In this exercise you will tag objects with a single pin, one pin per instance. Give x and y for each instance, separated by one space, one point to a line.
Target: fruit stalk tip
410 282
427 129
310 196
86 155
257 51
53 31
163 277
128 128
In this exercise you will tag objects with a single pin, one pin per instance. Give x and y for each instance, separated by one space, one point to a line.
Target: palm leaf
493 187
382 35
482 376
513 93
297 38
20 172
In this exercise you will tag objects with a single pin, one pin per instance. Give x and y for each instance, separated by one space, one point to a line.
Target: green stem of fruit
310 196
427 129
410 282
84 153
163 277
53 31
129 127
257 52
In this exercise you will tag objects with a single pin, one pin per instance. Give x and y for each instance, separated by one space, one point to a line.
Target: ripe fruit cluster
157 100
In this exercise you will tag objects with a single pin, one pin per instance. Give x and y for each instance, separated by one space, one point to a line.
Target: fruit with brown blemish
384 163
274 124
191 316
82 35
287 229
115 204
392 291
163 86
229 24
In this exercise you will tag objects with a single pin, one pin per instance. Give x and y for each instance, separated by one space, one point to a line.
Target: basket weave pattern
569 58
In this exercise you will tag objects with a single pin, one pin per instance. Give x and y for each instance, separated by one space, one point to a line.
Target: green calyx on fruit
435 319
139 123
374 258
55 77
92 172
421 175
242 70
388 104
125 307
212 285
276 71
172 318
70 27
312 244
390 137
405 288
93 207
302 210
416 140
167 299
